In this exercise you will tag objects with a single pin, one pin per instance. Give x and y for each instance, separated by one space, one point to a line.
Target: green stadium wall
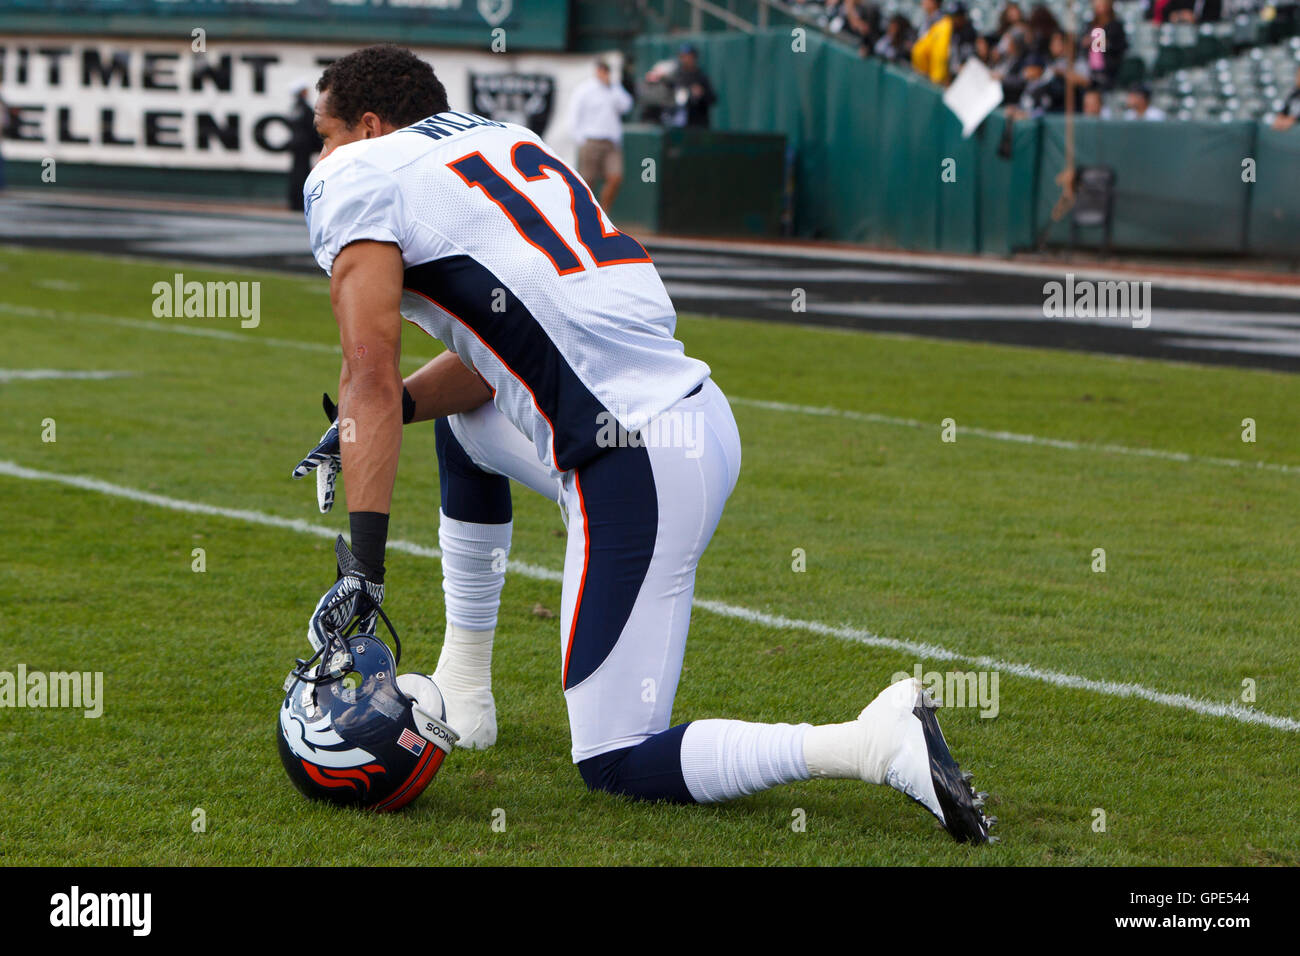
704 183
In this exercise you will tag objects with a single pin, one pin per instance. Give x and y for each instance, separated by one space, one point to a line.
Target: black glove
356 594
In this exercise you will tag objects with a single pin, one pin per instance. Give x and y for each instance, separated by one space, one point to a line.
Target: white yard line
1057 678
873 418
248 336
244 337
856 635
43 374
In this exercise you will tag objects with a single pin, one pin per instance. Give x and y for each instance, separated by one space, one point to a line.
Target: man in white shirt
595 116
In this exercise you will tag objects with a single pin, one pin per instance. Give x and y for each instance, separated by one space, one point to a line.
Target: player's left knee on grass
652 770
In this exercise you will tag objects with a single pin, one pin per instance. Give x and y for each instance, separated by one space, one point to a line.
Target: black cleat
962 808
920 764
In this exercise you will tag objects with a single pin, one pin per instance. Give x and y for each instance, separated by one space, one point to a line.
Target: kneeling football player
563 373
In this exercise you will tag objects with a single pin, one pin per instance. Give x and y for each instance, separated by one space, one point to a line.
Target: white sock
855 749
465 664
473 570
726 759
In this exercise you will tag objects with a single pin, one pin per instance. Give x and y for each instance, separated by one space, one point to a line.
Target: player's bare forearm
371 402
366 291
445 386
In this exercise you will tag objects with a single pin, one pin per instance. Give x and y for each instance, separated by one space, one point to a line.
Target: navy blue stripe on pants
468 492
620 515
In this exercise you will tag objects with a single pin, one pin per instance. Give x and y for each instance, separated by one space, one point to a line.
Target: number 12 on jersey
533 163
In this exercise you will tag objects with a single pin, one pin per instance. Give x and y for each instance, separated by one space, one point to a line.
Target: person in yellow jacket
932 53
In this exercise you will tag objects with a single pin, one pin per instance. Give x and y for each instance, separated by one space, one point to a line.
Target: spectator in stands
1138 103
304 142
858 18
1008 66
1042 25
1075 68
1043 90
1185 11
1047 79
896 43
942 50
1104 44
1008 42
964 42
1063 69
1290 114
930 15
693 94
654 92
596 122
1010 21
1093 105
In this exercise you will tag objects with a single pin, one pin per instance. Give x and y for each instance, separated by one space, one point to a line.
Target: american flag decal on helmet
412 742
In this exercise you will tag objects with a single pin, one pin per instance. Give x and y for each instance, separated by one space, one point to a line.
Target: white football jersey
513 265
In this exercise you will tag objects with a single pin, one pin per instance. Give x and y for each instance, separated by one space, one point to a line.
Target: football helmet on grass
353 732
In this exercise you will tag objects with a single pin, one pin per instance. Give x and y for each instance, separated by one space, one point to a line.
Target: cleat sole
963 818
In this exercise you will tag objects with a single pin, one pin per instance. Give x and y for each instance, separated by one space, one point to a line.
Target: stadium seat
1094 203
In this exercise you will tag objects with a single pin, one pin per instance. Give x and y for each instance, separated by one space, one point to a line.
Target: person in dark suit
694 94
8 118
304 143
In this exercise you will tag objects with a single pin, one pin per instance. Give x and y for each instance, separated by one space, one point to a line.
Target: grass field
982 546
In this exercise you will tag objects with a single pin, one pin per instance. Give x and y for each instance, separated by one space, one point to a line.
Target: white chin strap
426 701
434 730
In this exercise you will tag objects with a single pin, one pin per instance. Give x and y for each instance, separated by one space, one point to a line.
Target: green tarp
1178 184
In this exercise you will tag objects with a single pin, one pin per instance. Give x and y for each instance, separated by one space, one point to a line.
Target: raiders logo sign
524 99
494 11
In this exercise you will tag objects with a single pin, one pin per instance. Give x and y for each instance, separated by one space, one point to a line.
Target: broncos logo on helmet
360 735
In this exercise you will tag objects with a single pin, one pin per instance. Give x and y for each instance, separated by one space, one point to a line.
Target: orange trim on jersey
582 582
513 374
573 206
514 222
